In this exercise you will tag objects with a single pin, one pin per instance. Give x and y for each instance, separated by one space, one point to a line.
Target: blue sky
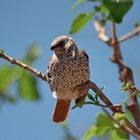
25 22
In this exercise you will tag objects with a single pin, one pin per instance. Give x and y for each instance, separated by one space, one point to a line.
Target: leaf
28 87
103 9
7 76
119 116
1 51
117 8
96 97
97 8
90 133
128 115
63 124
77 3
118 134
102 88
103 124
136 24
90 97
82 103
80 21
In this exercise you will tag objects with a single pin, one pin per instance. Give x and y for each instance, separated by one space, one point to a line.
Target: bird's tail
61 110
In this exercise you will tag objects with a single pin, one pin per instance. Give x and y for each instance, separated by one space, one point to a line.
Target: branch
125 73
116 57
100 29
130 125
133 131
129 128
88 85
129 35
91 85
24 66
113 108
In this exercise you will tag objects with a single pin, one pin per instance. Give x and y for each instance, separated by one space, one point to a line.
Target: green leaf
136 24
103 9
1 51
63 124
118 134
80 21
96 97
103 124
77 3
119 116
97 8
90 97
90 133
82 103
7 76
28 87
102 88
128 115
117 8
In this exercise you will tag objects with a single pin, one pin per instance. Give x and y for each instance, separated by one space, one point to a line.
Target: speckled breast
70 72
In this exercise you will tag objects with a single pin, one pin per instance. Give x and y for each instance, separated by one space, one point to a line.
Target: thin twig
130 125
97 90
100 29
116 106
24 66
129 35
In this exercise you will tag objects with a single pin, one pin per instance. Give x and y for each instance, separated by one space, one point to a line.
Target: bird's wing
51 64
49 67
83 55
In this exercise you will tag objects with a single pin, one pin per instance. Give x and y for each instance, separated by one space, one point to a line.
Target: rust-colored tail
61 110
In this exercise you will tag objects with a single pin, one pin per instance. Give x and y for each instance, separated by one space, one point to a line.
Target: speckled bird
68 70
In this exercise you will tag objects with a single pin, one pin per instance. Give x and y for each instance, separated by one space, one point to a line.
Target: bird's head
62 44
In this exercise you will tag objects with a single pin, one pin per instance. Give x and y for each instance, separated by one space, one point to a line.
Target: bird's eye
61 43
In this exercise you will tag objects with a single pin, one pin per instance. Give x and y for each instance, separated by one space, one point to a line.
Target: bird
68 70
